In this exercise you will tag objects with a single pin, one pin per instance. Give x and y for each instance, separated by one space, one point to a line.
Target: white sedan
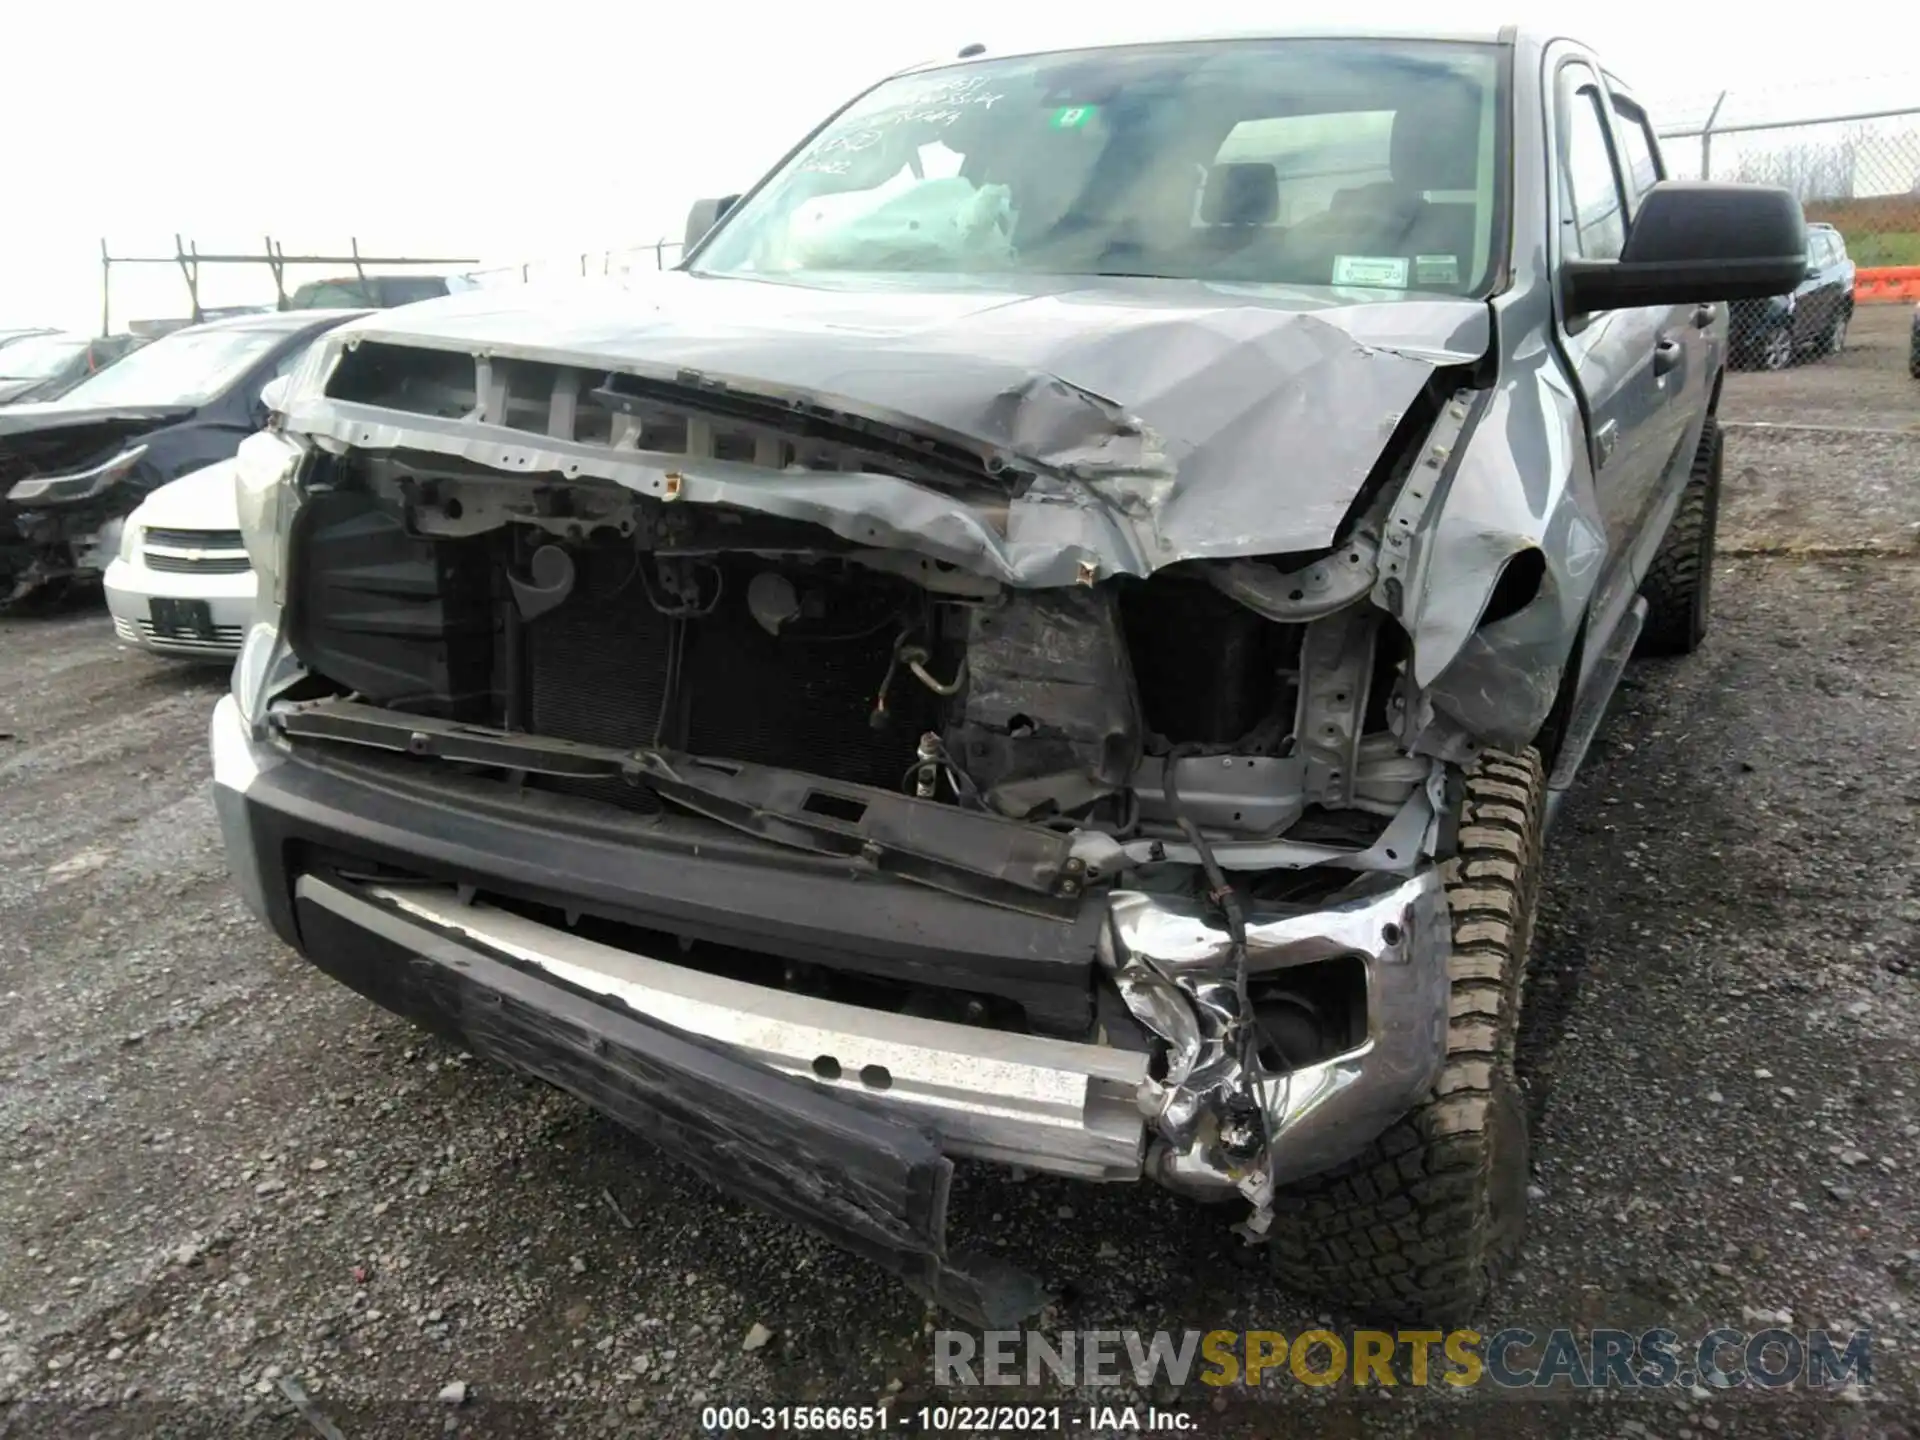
182 584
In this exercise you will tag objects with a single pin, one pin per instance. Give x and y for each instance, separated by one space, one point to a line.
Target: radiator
597 670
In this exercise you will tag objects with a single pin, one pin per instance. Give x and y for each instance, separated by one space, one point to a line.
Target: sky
510 133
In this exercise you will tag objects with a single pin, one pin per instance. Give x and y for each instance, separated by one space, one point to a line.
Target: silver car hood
1160 420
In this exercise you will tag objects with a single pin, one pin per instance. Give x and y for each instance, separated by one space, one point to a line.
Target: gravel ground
1867 384
222 1171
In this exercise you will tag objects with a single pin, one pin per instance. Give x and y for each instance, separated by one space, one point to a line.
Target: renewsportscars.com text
1513 1358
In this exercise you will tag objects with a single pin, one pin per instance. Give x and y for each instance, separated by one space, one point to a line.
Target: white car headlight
262 494
130 531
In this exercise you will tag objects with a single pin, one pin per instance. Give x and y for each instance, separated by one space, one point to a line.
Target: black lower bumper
676 875
870 1182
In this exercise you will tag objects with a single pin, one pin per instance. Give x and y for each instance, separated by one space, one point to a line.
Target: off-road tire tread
1406 1230
1675 585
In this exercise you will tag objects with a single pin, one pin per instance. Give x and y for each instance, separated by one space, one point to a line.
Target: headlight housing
264 501
130 531
80 485
263 498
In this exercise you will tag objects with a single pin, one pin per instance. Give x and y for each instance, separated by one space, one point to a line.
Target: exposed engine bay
1019 747
577 613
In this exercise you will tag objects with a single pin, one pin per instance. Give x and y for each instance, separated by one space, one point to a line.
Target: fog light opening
1309 1013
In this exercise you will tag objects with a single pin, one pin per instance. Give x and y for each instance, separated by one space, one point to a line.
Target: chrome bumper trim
1172 961
1018 1099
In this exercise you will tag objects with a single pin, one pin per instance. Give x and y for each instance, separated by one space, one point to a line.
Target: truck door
1634 368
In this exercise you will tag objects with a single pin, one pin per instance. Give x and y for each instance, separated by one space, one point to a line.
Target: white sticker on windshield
1436 270
1383 272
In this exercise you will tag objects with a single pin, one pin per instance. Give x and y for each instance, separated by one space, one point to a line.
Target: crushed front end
64 494
790 741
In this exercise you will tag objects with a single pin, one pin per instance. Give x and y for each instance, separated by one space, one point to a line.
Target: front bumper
870 1178
835 1115
131 589
67 542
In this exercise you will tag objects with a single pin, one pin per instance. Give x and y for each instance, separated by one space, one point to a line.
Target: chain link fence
1857 173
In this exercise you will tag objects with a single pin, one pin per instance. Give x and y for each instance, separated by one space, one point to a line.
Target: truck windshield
1360 165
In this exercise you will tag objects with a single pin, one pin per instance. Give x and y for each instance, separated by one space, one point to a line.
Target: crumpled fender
1521 478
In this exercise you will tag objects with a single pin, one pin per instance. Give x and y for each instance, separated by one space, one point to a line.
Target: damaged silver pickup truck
1053 638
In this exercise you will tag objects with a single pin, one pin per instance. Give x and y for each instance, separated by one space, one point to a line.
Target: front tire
1420 1224
1679 584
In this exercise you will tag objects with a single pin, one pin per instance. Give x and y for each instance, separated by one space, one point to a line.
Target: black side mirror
1694 241
704 215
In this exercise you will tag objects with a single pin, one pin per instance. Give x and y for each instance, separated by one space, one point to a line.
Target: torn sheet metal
1171 961
1291 597
1512 476
1048 718
1408 835
1134 424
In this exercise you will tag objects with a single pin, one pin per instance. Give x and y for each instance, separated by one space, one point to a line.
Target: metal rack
189 257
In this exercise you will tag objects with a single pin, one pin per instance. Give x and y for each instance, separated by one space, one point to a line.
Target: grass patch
1898 247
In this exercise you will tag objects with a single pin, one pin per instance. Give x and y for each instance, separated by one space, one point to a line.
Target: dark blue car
1775 333
70 469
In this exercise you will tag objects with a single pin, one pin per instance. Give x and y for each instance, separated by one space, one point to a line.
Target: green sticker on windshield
1072 117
